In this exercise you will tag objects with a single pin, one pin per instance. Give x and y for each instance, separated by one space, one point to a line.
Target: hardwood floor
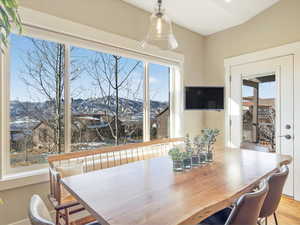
288 213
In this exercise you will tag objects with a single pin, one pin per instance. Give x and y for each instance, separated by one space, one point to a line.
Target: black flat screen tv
204 98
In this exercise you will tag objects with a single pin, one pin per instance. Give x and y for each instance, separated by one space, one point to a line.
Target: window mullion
146 130
4 120
67 101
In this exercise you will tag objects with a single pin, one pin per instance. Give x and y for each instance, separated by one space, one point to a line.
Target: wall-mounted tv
204 98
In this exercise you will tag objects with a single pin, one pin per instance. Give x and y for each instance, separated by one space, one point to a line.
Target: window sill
24 179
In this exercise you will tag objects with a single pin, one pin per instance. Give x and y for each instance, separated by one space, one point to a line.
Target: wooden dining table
149 192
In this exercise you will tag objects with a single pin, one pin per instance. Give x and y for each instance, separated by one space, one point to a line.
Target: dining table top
149 192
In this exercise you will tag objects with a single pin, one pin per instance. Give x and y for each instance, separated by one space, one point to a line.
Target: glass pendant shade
160 31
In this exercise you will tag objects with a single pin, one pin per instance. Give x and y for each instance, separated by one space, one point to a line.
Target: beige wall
274 27
203 56
120 18
16 202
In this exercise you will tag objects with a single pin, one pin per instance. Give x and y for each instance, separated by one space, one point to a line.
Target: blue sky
85 86
266 90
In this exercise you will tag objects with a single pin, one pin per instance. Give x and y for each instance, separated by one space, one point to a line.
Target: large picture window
68 98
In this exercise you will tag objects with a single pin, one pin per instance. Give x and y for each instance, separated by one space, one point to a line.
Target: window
64 98
159 81
36 100
107 99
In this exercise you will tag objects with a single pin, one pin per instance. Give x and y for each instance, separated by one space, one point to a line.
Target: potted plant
177 158
9 16
187 160
188 143
194 152
200 149
208 139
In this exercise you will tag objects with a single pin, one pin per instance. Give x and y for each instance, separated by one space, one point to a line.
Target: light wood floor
288 213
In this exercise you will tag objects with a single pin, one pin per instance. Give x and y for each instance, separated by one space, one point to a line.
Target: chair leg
275 218
266 221
67 216
57 217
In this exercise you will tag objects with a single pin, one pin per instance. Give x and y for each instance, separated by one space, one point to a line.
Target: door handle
287 136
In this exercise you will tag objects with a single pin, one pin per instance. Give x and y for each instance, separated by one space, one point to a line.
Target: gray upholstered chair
276 183
244 212
39 214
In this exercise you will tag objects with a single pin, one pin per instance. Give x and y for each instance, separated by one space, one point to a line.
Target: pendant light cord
159 2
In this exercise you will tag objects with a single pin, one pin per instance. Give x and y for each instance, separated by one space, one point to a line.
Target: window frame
175 77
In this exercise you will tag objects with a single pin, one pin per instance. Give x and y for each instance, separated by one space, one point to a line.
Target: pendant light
160 32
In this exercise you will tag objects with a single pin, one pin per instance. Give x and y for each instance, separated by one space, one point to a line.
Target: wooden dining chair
244 212
39 214
276 183
64 203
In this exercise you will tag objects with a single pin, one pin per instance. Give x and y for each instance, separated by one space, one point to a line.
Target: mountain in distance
22 110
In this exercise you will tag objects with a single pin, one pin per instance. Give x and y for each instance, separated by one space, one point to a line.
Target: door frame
284 50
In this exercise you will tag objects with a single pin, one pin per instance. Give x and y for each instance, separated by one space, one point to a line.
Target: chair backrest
276 183
38 212
247 208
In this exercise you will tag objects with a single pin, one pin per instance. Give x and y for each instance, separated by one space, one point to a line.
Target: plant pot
203 157
195 160
178 165
210 153
187 163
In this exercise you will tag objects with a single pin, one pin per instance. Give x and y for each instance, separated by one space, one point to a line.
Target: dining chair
39 214
62 201
276 183
245 211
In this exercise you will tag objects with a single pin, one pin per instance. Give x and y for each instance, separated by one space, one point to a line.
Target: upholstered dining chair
39 214
244 212
276 183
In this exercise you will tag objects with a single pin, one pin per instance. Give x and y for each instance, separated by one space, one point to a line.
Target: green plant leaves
175 154
8 16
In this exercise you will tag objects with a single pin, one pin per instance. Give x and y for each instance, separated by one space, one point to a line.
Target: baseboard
21 222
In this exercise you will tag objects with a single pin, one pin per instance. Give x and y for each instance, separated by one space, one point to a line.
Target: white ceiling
208 16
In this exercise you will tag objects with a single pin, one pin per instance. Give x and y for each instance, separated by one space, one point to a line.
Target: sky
266 90
84 86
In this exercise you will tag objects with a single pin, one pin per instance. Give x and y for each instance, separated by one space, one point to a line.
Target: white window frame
47 27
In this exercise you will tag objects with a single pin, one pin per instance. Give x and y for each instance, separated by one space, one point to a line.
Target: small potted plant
195 153
177 157
187 160
200 148
208 139
188 143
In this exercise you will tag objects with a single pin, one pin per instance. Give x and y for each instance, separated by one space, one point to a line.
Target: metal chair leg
275 218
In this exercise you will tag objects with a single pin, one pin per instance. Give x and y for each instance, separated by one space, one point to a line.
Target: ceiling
208 16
